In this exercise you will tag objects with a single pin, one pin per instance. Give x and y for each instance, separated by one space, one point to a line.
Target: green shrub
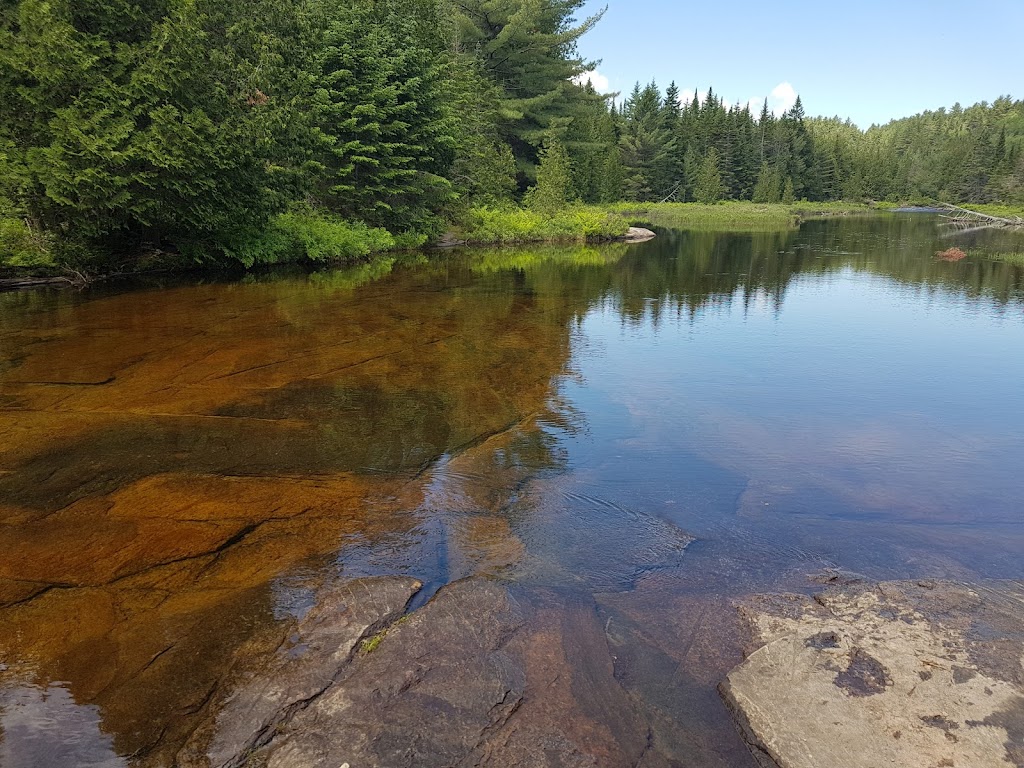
484 224
306 235
20 248
323 238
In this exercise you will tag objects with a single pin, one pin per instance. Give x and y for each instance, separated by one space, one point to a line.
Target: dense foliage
277 130
249 131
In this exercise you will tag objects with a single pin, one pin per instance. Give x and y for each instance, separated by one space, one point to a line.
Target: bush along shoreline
311 237
299 237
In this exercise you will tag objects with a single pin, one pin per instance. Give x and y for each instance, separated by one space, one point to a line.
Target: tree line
277 129
705 151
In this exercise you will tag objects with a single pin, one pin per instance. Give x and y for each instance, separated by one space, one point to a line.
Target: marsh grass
1016 258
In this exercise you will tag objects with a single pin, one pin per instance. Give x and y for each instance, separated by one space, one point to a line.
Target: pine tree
745 155
643 144
528 50
765 129
154 122
589 140
788 196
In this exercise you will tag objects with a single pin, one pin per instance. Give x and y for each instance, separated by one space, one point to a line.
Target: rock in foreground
481 675
929 675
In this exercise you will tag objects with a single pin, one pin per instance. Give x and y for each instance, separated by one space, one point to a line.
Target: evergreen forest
282 130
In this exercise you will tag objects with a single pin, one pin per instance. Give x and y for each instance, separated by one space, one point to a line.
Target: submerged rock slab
269 684
926 674
484 674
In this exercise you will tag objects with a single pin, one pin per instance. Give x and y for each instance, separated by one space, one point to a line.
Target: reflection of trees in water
688 271
238 431
682 272
904 248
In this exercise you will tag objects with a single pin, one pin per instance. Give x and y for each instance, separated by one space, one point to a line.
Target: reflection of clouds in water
45 728
908 465
761 303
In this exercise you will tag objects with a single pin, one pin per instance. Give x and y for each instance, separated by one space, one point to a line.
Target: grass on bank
734 215
306 235
302 235
1016 258
993 209
309 235
485 225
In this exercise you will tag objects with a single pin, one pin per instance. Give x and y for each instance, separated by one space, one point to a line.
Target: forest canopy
277 130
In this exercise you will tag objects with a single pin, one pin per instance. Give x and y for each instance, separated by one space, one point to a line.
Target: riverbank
317 238
739 216
511 225
300 237
996 209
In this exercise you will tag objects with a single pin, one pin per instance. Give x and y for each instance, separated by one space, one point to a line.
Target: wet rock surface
267 685
900 673
483 674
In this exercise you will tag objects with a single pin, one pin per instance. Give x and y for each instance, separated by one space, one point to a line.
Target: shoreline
628 222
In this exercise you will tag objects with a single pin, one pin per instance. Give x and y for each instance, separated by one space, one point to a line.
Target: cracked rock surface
926 674
484 674
265 688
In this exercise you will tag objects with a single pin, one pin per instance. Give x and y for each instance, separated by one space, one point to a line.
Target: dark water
665 427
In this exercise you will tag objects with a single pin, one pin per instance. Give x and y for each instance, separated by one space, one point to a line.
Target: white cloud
781 99
596 79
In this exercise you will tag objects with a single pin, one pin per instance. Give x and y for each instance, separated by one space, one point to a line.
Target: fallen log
14 283
964 217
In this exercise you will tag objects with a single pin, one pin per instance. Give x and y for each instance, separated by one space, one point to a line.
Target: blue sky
871 61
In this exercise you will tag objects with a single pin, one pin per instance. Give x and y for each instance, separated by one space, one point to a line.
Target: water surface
663 427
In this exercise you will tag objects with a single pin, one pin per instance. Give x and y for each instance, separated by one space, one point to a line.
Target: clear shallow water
666 427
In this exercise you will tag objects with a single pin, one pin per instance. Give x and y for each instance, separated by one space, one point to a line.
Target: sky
871 61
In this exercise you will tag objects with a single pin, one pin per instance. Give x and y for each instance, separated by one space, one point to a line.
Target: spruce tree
644 145
788 195
380 104
553 189
709 187
768 188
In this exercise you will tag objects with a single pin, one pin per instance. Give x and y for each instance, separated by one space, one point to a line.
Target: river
655 430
